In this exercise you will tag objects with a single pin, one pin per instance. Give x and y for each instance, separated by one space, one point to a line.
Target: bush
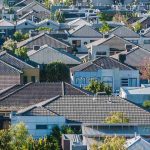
146 104
116 117
56 72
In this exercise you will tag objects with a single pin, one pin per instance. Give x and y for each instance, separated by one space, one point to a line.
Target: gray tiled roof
6 69
124 32
85 31
114 42
100 63
91 110
34 93
14 61
47 54
41 40
135 57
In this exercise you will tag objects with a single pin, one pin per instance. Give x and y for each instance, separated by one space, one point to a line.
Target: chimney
128 47
122 58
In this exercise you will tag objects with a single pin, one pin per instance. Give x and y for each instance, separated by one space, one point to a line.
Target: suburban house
18 97
25 25
34 43
126 33
80 36
47 54
136 95
89 112
137 142
107 70
7 28
144 21
49 24
34 16
32 6
135 57
110 46
13 70
78 22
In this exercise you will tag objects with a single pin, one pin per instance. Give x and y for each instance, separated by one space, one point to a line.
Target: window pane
41 126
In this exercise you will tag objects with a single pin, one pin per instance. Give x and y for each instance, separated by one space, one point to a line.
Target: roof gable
78 22
85 31
43 39
101 63
14 61
114 42
6 23
46 55
6 69
125 32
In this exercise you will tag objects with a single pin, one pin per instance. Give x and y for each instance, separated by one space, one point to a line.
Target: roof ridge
20 60
40 104
11 66
122 63
76 88
1 99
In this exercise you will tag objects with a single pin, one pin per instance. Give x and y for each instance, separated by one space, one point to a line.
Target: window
36 47
84 80
146 41
77 43
85 43
77 80
92 41
100 54
26 23
133 82
108 80
124 82
25 79
33 79
134 41
41 127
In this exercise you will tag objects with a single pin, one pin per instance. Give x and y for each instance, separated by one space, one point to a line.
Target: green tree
137 27
66 130
96 87
10 45
18 36
19 135
146 104
56 72
22 52
108 90
116 117
104 17
105 28
5 139
113 143
47 3
44 29
59 16
68 2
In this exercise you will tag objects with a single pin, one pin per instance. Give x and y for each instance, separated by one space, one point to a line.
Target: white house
49 24
136 94
25 25
82 35
107 70
38 125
